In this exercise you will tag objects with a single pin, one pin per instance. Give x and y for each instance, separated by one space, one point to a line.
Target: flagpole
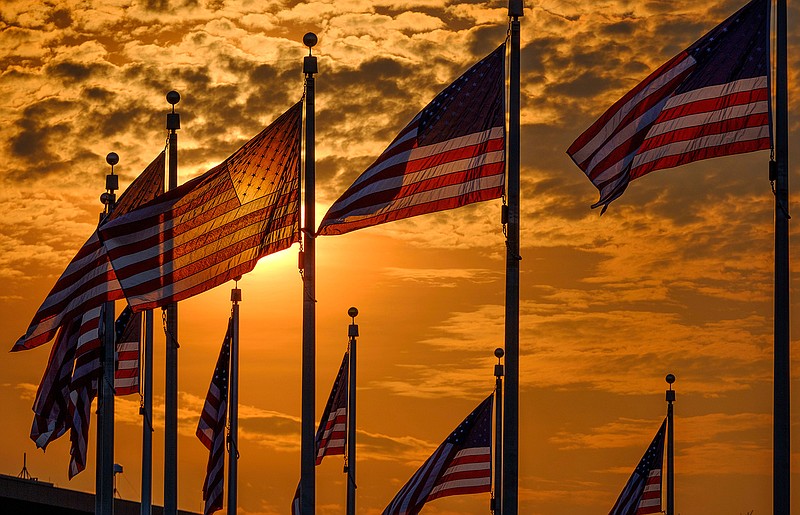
147 417
670 448
511 425
782 387
307 437
171 360
350 465
104 497
233 403
497 501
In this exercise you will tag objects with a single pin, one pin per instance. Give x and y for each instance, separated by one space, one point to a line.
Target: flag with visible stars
450 155
461 465
215 227
711 100
128 329
211 428
642 492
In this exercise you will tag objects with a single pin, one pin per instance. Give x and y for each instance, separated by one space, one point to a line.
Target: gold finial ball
499 353
352 312
112 158
173 97
670 378
310 39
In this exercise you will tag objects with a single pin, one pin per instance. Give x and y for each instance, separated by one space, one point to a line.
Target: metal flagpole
147 417
350 464
233 403
497 501
511 424
670 448
307 446
782 387
171 360
104 497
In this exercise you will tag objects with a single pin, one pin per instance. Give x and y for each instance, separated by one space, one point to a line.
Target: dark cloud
620 28
61 18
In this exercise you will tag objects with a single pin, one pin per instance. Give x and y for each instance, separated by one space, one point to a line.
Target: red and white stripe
651 496
469 472
334 436
215 227
126 374
409 180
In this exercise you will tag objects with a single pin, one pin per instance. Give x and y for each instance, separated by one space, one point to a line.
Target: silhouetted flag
710 100
128 329
89 280
215 227
461 465
450 155
642 492
211 428
331 436
72 310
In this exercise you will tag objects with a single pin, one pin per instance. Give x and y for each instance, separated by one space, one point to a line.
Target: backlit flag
89 280
128 329
642 492
211 428
450 155
461 465
710 100
215 227
331 436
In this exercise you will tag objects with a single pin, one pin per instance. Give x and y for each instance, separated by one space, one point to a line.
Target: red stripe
714 104
706 129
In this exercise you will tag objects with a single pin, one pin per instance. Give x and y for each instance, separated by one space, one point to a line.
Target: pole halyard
497 501
233 404
307 435
670 395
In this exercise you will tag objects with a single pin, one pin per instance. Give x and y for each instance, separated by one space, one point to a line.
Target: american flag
211 428
73 311
331 436
89 280
710 100
128 329
642 492
215 227
450 155
461 465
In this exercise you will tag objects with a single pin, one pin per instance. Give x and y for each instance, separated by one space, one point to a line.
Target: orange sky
675 277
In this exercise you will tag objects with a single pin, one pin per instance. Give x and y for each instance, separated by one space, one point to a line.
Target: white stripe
128 346
126 382
426 151
461 483
129 364
698 119
465 467
473 451
653 488
719 90
644 503
654 473
715 140
611 125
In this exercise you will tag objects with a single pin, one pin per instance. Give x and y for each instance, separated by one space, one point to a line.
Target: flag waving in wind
450 155
128 329
332 432
211 428
461 465
215 227
642 492
710 100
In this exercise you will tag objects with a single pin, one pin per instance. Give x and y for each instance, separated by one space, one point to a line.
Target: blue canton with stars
476 429
736 49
